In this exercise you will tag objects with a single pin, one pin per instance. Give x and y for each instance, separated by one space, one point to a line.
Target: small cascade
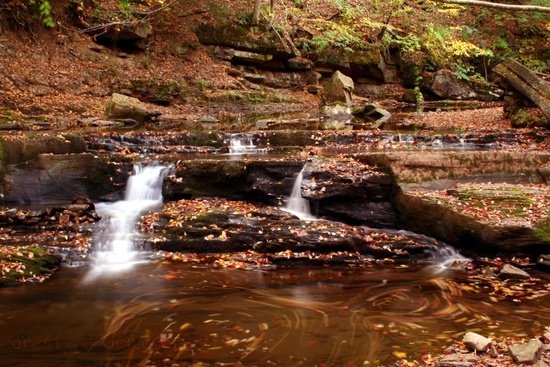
116 238
242 144
448 257
296 204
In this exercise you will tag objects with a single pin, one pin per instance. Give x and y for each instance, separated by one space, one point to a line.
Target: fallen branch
533 8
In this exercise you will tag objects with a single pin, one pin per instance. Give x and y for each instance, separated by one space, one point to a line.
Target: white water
242 144
115 241
296 204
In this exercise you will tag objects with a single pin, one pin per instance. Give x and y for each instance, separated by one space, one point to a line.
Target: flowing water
310 316
296 204
120 310
115 241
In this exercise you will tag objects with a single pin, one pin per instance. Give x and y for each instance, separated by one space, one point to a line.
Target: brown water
163 314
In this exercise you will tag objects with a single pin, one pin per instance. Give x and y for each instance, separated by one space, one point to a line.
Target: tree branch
532 8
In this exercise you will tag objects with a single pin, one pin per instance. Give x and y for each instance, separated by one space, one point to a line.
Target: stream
126 307
156 313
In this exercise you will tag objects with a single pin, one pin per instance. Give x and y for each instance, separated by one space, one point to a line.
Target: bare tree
257 7
256 13
487 4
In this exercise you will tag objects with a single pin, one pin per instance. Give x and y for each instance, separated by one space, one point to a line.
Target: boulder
120 106
339 88
526 353
476 342
446 85
511 272
372 112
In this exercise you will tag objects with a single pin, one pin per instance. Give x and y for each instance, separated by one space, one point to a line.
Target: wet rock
339 88
411 96
476 342
527 353
372 112
120 106
215 225
374 214
452 216
544 260
511 272
49 178
336 111
81 211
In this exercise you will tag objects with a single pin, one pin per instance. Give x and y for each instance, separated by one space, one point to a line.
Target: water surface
158 314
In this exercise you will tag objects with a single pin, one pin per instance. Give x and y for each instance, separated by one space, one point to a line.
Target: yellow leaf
400 355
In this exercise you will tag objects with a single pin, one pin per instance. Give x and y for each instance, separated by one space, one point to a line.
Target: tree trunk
256 14
525 82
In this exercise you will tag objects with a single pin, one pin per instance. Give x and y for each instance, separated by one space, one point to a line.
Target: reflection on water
175 313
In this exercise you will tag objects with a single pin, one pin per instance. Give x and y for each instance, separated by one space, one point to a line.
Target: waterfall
114 243
239 144
296 204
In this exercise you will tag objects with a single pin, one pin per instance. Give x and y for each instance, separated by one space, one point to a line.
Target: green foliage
340 36
244 18
43 10
203 84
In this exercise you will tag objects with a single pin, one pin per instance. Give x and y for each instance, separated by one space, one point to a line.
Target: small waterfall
296 204
115 241
242 144
447 257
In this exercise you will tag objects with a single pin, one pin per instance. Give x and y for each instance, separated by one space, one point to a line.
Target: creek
309 316
124 306
132 308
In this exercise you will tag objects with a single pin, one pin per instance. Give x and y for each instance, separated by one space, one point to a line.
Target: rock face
339 88
452 215
347 190
51 178
120 106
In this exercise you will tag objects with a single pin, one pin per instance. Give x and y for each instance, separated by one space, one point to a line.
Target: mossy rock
529 118
20 264
161 93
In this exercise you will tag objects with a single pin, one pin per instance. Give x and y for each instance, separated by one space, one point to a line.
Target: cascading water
296 204
115 241
242 144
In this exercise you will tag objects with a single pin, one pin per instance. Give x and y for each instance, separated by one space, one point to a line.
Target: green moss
24 263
